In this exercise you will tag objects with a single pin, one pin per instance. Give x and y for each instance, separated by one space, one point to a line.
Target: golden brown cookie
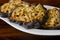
53 18
28 13
7 8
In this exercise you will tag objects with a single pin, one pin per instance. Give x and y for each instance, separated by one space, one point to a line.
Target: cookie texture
53 18
28 13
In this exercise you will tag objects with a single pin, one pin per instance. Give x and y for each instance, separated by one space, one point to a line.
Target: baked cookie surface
28 13
53 18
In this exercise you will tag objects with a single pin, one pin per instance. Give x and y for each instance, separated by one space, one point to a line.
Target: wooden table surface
7 32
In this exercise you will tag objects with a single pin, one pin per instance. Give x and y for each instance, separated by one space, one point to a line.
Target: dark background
7 32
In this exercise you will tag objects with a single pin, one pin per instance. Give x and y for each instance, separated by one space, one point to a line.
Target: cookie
53 18
7 8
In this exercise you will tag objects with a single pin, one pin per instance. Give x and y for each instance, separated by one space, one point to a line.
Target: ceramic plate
33 31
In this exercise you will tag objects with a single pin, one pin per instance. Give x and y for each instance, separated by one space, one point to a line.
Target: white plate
33 31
